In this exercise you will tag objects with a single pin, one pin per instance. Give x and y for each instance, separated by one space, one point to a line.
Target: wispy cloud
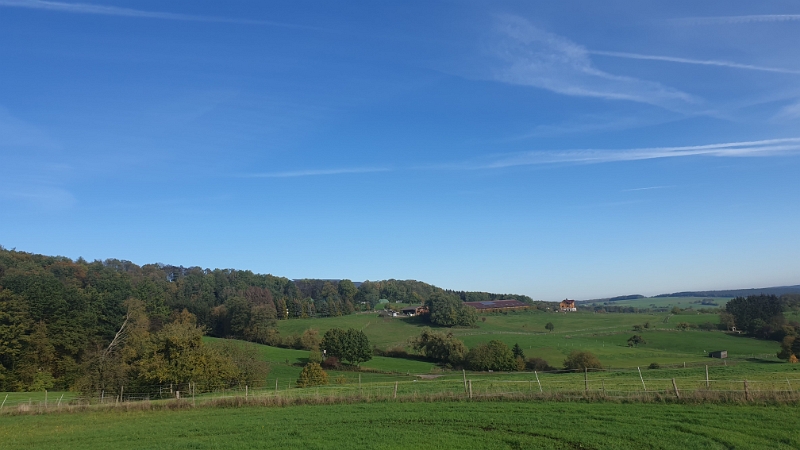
311 173
703 62
789 112
534 57
738 19
87 8
649 188
591 156
44 198
16 133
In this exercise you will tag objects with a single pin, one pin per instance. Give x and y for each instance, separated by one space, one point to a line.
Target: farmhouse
718 354
567 305
412 311
498 305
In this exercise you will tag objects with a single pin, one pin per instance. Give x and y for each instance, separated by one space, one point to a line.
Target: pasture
447 424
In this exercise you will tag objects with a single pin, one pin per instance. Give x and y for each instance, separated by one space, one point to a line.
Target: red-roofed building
567 305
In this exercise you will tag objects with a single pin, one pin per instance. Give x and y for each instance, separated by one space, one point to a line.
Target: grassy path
501 425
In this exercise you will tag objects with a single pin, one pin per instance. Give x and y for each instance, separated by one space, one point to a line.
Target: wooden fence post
121 393
395 389
538 382
707 383
675 385
642 378
585 380
746 391
470 388
464 373
790 385
4 402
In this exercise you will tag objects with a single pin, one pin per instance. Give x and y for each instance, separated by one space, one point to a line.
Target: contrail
704 62
86 8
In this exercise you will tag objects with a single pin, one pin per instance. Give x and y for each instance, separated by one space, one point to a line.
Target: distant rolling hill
777 290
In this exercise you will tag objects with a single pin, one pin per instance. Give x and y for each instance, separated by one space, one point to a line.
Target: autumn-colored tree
312 375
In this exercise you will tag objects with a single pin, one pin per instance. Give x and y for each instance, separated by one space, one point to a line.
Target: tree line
55 313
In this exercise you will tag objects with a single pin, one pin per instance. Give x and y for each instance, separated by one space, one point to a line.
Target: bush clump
312 375
578 360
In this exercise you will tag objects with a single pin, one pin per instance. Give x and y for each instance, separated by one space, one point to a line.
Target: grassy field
462 424
605 335
528 416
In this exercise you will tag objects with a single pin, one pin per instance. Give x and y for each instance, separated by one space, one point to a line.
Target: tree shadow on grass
764 361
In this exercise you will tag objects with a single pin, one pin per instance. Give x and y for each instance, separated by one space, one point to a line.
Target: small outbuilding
718 354
412 311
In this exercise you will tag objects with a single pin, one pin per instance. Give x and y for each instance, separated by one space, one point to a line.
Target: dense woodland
57 314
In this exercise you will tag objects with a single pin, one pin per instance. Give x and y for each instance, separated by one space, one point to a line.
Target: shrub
683 326
707 326
635 340
494 355
331 362
638 328
539 365
654 365
578 360
312 375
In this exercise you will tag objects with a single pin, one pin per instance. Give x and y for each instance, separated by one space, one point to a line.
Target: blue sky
573 149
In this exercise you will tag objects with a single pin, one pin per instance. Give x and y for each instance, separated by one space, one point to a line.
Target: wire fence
697 381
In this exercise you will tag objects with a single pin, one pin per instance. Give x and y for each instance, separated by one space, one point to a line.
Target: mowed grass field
388 425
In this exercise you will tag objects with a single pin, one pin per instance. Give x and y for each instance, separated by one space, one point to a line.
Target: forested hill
777 290
60 308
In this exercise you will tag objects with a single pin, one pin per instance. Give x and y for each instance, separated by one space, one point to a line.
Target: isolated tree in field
312 375
578 360
635 340
550 327
494 355
440 347
448 310
349 345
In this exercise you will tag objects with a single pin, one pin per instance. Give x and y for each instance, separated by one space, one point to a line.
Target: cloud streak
732 20
704 62
533 57
770 147
316 172
87 8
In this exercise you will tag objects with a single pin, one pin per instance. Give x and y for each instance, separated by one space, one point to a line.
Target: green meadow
388 425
